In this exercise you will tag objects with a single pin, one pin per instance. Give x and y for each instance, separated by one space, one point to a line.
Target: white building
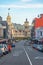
39 33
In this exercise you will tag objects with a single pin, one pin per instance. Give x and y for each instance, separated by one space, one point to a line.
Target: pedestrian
9 46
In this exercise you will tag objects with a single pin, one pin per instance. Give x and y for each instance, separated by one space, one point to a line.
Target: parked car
30 42
40 47
12 45
4 48
1 53
34 41
34 46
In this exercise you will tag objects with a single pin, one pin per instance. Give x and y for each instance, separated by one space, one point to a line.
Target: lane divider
28 57
38 57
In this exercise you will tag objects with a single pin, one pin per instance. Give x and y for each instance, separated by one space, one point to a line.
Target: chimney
41 15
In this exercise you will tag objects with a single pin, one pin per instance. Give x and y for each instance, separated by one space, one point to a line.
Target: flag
8 8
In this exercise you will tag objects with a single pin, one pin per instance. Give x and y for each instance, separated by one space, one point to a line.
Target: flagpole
8 11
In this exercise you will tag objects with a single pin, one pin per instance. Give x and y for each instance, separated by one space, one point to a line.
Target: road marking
38 57
29 49
17 53
28 57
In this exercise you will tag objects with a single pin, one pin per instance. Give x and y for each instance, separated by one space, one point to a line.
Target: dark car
13 45
1 53
34 41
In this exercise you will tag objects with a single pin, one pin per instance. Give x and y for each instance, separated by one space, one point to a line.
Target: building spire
26 19
8 11
8 14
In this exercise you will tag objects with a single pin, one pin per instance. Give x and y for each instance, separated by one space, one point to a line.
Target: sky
21 9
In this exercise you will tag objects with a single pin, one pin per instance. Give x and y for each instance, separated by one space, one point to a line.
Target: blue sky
21 9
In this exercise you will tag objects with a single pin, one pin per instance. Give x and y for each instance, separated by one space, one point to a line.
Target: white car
4 48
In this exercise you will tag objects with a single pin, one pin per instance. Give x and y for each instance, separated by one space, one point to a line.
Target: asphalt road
22 55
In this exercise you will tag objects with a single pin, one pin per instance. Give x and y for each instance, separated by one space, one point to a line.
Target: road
22 55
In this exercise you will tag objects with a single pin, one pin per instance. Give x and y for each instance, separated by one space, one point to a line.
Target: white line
28 57
38 57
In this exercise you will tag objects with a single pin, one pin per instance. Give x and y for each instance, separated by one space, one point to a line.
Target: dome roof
26 21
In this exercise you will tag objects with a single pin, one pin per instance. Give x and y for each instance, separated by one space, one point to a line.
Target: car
1 53
4 48
34 46
30 42
34 41
16 40
12 45
40 47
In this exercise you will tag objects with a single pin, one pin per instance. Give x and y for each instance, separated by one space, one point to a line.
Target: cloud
26 0
22 6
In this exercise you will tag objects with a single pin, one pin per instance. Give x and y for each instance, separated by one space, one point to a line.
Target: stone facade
3 28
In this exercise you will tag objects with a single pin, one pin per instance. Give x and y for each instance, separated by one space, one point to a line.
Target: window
41 33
